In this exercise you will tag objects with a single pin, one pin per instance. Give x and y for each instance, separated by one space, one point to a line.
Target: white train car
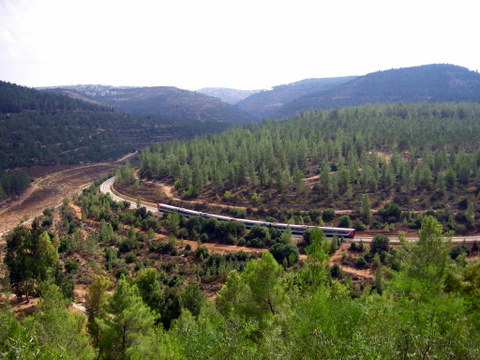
295 229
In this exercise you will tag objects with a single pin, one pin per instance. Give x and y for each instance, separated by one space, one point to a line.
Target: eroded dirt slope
50 187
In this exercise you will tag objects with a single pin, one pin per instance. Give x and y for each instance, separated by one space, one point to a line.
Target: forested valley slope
95 278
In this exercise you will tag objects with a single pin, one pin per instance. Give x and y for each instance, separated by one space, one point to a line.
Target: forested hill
164 101
431 83
15 99
41 128
420 156
266 103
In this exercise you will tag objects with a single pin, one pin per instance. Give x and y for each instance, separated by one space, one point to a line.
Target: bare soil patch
51 185
336 258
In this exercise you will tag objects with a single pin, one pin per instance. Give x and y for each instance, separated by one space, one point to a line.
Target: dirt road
50 187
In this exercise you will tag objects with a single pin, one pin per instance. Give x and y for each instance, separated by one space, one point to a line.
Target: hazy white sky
247 44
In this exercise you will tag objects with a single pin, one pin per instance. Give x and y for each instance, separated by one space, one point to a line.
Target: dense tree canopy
394 151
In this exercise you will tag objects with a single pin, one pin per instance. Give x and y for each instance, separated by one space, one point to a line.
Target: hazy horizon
241 45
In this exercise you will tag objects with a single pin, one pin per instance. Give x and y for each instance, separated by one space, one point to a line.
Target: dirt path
48 190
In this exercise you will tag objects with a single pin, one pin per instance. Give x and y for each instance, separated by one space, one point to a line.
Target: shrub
390 213
201 252
71 266
345 222
284 253
130 257
67 245
127 245
379 244
458 250
361 262
328 215
336 271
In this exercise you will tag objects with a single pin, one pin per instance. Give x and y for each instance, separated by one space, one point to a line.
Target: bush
163 248
111 255
328 215
215 263
201 252
390 213
357 247
335 271
67 245
345 222
361 262
458 250
130 257
284 253
121 272
71 266
379 244
127 245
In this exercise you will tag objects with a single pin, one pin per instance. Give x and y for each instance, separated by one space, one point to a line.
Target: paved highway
106 188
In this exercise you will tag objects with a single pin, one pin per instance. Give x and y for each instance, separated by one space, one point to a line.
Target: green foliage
257 293
284 253
30 257
129 319
40 128
13 183
71 266
125 175
362 155
391 212
379 244
427 259
201 252
149 283
366 210
259 236
458 250
345 221
328 215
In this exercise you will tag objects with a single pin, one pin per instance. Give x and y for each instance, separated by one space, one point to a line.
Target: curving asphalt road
106 188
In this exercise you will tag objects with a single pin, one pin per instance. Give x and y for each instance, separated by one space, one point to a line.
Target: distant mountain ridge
46 128
15 99
267 103
430 83
164 101
230 96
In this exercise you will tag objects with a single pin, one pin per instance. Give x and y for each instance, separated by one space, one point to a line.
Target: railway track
107 188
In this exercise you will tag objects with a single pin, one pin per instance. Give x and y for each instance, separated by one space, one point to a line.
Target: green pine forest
154 288
389 164
152 295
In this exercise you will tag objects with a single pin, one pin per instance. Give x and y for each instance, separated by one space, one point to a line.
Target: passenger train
295 229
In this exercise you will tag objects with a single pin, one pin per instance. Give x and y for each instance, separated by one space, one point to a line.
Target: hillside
230 96
333 159
152 288
266 103
164 101
41 128
15 99
432 83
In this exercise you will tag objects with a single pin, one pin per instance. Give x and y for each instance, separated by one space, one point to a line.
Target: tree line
13 183
394 151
